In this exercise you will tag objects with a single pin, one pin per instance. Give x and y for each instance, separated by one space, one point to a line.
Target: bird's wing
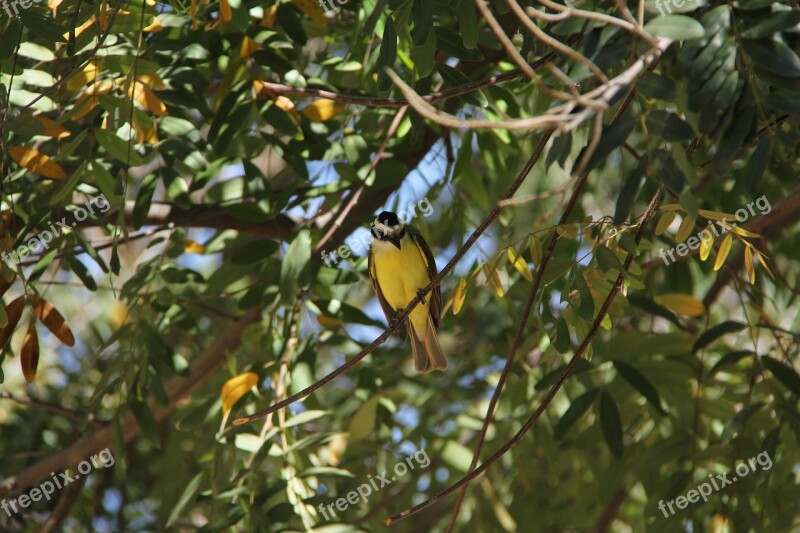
435 296
388 310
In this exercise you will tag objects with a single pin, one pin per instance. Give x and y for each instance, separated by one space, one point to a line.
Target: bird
400 266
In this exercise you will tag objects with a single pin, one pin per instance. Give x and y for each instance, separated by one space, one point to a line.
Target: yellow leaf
671 207
494 280
269 16
744 233
459 295
748 264
568 231
148 99
687 224
104 14
152 79
80 29
716 215
99 87
14 313
193 13
722 253
154 26
83 106
706 244
225 10
193 247
37 162
764 264
322 109
53 4
29 356
248 47
313 10
52 128
328 322
664 222
145 134
520 264
85 76
683 304
237 387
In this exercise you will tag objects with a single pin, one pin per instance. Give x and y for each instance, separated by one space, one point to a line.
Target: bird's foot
421 294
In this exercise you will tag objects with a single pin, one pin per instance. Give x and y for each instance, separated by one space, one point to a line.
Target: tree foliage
610 189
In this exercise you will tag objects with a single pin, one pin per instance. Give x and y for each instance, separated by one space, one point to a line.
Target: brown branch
609 512
53 408
595 326
201 369
404 313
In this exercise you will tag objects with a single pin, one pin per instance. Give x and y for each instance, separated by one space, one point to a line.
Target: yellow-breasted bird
400 266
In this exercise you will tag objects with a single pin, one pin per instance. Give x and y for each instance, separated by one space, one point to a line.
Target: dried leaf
52 128
154 26
269 16
536 251
683 304
744 233
29 356
225 10
724 250
764 264
715 215
248 47
52 319
193 247
37 162
237 387
329 322
493 278
322 110
14 312
148 99
313 10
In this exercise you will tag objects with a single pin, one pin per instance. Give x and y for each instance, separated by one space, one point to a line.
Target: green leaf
255 252
608 260
757 166
613 136
678 27
562 342
629 192
143 199
187 496
77 266
669 172
730 358
586 308
387 55
363 422
774 56
294 264
783 372
422 16
657 86
611 424
424 56
668 126
41 26
638 381
575 412
649 305
467 24
772 24
716 332
117 148
9 44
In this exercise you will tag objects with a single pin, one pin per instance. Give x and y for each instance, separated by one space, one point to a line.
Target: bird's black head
387 227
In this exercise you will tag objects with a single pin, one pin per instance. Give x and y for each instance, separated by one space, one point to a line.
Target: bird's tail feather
428 354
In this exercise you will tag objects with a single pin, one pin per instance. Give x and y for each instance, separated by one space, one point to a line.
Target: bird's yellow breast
400 274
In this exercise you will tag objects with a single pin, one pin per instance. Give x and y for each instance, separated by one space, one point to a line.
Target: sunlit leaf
683 304
37 162
235 388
